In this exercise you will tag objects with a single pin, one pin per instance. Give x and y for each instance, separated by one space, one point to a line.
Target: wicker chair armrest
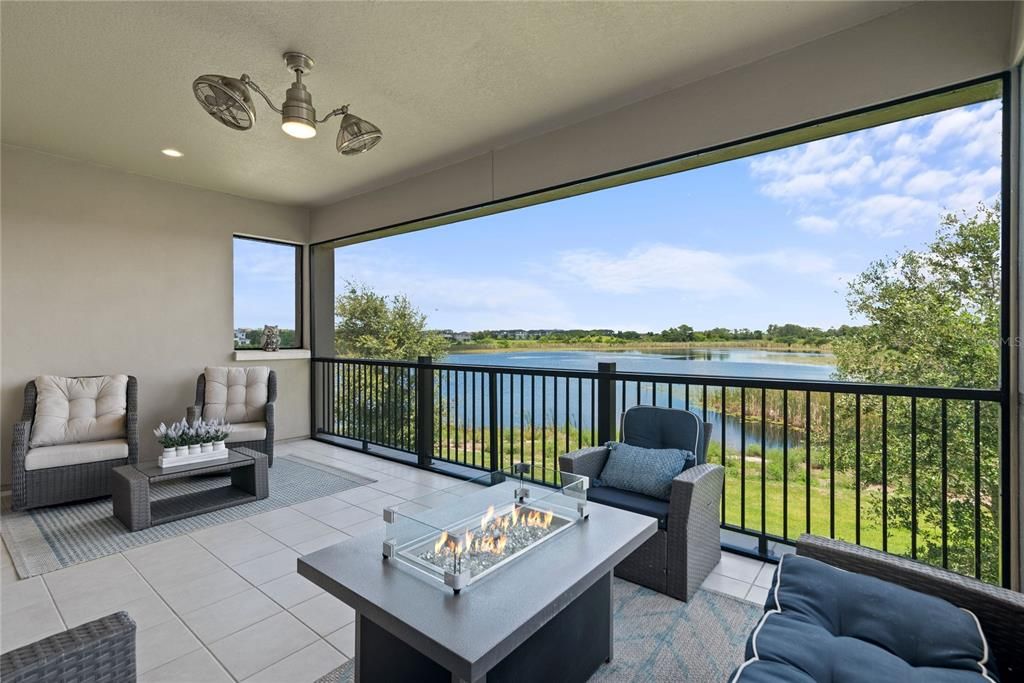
586 461
1000 611
698 485
271 387
271 411
19 449
132 419
100 650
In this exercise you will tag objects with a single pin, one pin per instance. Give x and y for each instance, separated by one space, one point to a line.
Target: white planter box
192 459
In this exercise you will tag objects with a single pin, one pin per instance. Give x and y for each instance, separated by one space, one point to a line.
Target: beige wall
107 272
925 46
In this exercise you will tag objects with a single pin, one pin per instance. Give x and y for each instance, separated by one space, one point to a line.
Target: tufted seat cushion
66 454
823 624
79 409
236 394
247 431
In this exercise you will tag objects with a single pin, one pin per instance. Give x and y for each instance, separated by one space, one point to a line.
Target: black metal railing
916 471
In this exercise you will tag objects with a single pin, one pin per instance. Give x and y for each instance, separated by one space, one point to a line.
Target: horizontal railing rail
906 469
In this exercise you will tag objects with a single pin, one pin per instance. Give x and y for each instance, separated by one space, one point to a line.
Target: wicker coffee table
136 509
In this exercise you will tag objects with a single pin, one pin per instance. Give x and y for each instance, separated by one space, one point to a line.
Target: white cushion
75 454
78 409
247 431
236 394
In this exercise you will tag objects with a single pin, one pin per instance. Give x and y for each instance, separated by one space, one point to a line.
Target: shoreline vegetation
488 345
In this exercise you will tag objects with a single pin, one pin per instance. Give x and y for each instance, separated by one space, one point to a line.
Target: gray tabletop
471 632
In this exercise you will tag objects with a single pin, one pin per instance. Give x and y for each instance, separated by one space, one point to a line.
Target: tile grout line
173 611
53 601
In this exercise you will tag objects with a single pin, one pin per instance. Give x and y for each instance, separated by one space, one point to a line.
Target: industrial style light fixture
228 100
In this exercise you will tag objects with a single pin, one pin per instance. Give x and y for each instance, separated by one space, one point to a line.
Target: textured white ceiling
110 82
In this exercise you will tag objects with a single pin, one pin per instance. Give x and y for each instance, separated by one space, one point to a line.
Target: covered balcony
364 490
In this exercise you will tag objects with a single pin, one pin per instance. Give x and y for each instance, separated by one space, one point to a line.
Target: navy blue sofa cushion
824 624
631 501
649 471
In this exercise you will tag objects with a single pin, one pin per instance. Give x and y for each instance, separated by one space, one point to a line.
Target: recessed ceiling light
171 152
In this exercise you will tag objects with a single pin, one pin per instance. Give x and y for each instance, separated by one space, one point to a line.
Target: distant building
451 335
242 335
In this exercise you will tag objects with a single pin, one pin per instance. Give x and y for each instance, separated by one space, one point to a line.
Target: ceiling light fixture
228 100
171 152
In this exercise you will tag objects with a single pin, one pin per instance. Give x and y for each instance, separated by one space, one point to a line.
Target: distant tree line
254 339
788 333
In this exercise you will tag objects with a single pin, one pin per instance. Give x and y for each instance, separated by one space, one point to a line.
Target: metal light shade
225 99
298 117
357 135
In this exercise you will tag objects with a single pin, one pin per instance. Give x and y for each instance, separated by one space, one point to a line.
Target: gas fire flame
493 536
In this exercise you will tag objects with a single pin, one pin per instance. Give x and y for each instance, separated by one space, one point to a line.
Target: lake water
728 362
525 400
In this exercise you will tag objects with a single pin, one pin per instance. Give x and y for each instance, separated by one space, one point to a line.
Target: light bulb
171 152
298 128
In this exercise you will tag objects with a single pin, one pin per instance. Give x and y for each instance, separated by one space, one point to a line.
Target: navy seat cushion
631 501
824 624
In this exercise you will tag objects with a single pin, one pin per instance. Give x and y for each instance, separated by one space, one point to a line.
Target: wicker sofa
243 396
100 651
38 476
677 559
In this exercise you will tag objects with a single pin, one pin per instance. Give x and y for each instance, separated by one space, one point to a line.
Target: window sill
283 354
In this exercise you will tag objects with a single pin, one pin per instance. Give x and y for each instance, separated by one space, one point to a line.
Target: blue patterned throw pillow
649 471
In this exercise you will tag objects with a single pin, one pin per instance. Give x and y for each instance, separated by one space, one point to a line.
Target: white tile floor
225 604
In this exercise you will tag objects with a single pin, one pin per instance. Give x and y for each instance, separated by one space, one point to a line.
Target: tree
933 319
379 401
371 325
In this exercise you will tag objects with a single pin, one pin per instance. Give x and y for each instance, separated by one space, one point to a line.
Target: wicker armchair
264 445
100 651
32 488
1000 611
677 559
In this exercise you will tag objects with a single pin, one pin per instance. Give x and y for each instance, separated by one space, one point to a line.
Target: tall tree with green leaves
377 403
372 325
933 318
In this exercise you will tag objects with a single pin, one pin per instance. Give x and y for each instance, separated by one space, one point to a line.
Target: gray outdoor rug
50 538
661 639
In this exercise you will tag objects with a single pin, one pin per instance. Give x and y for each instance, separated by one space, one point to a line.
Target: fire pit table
491 580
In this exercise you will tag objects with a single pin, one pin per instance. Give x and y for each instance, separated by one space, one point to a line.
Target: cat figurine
271 338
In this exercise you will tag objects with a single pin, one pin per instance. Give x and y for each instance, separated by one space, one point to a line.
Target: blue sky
771 238
264 284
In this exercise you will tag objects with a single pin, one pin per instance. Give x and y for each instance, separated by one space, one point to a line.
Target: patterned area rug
46 539
663 640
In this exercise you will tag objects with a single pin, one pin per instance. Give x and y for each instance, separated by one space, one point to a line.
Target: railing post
492 419
424 411
606 407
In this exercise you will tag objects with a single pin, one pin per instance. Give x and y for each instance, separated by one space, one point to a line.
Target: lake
716 361
729 362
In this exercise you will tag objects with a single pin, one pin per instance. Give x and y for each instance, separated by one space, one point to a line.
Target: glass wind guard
473 528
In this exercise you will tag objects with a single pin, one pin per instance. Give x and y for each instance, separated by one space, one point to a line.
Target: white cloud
931 181
975 187
704 274
893 179
887 215
492 302
817 224
657 266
